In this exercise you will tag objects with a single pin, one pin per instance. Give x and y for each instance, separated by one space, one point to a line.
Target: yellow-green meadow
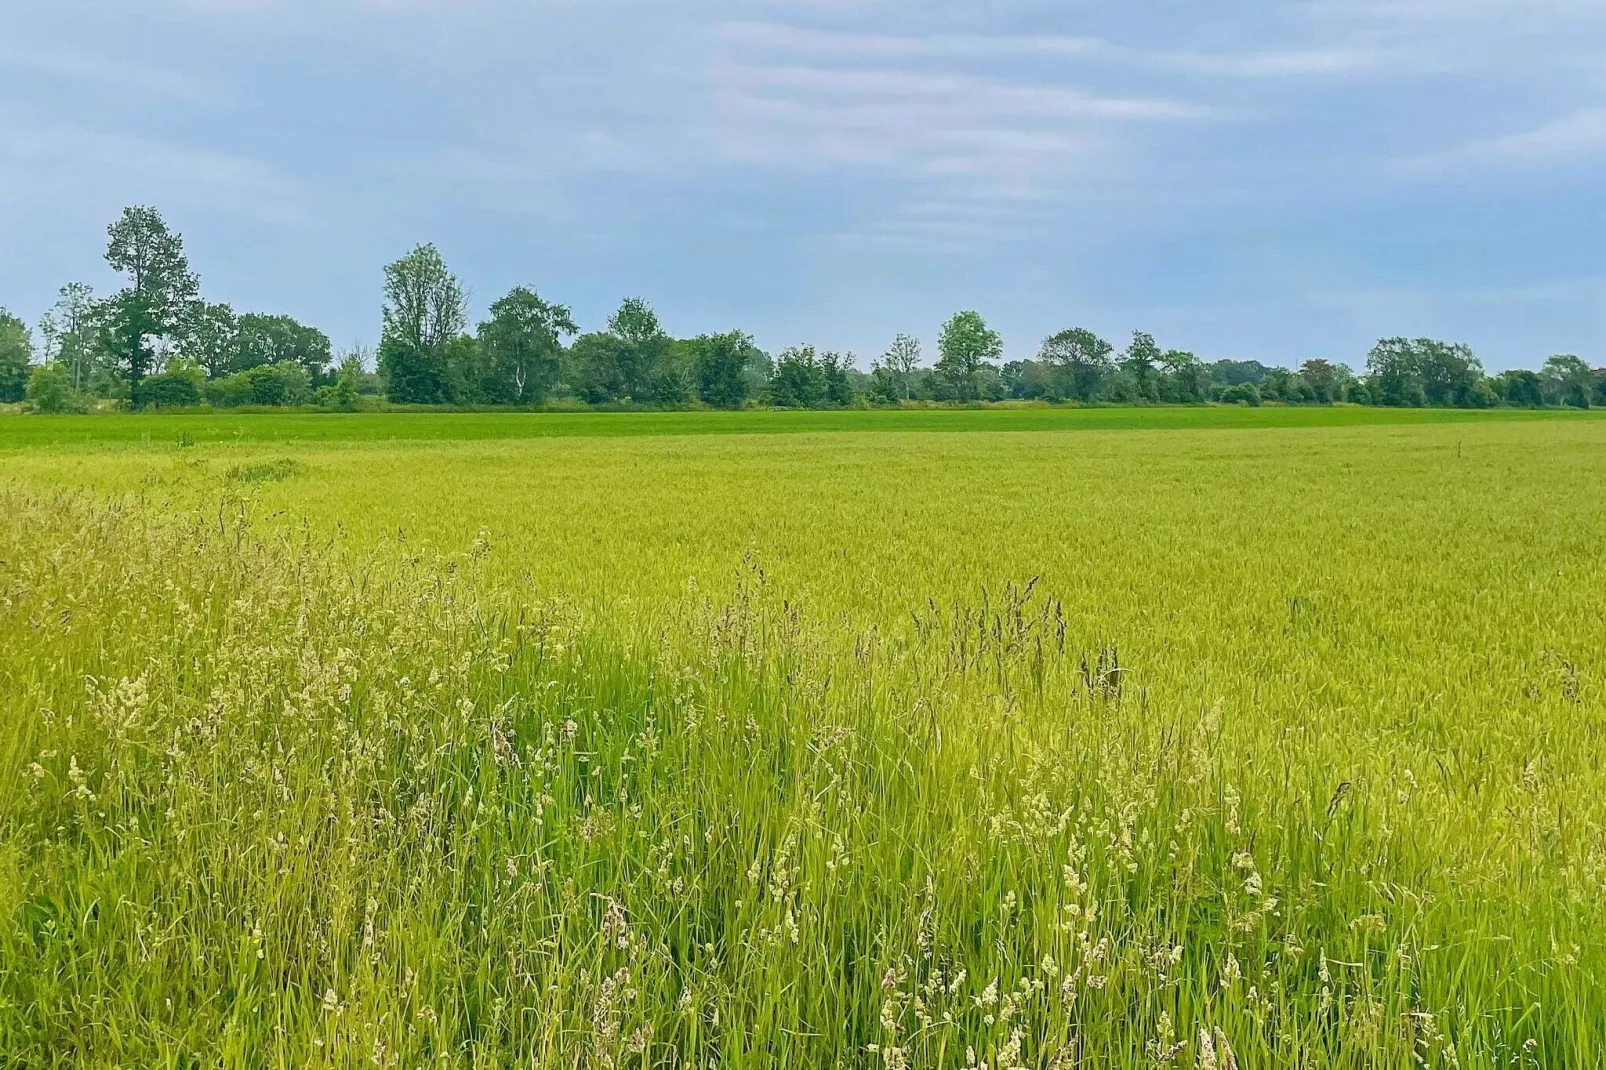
1188 744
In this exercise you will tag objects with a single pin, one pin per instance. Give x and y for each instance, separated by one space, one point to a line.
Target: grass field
165 430
1206 738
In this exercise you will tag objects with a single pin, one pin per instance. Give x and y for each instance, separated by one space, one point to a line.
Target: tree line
156 343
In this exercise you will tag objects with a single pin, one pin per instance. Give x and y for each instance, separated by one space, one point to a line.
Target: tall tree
1323 378
16 353
965 345
720 363
263 339
147 315
424 311
71 333
1424 371
900 361
1452 374
1184 378
1138 363
1520 387
1567 380
468 372
594 358
212 339
523 347
1081 360
631 360
802 379
647 369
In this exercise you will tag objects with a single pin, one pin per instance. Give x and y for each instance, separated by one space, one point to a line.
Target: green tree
1238 372
424 311
1520 387
1393 373
181 386
212 339
1324 380
883 388
1567 380
1081 363
50 388
633 360
805 378
899 363
1139 366
1184 377
343 393
16 353
840 375
1425 371
148 314
720 362
284 383
965 345
263 339
1034 379
523 347
595 357
1453 376
1240 394
801 379
468 373
648 370
1279 384
71 333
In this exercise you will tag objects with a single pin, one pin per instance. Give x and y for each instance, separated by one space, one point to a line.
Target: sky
1249 179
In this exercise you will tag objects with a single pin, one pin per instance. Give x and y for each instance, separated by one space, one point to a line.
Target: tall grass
278 795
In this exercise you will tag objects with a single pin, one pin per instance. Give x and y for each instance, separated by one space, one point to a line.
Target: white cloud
931 109
1579 134
1291 64
845 46
770 36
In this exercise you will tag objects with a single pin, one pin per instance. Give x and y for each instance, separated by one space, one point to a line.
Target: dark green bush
170 390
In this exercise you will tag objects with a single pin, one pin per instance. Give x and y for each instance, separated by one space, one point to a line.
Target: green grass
1113 748
163 430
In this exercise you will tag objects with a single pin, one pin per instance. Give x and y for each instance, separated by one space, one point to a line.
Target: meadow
1029 738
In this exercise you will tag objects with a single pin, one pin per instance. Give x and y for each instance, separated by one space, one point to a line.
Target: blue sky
1243 178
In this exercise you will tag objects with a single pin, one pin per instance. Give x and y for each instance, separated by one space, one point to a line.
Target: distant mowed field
1194 737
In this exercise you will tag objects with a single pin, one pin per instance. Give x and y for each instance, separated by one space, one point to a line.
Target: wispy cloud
936 109
1577 135
1297 63
99 68
772 36
40 158
1209 155
849 46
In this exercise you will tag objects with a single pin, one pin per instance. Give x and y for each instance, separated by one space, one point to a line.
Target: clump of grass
276 471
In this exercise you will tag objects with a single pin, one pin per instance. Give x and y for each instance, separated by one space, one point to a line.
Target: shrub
1241 394
342 395
175 389
50 390
229 391
267 384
